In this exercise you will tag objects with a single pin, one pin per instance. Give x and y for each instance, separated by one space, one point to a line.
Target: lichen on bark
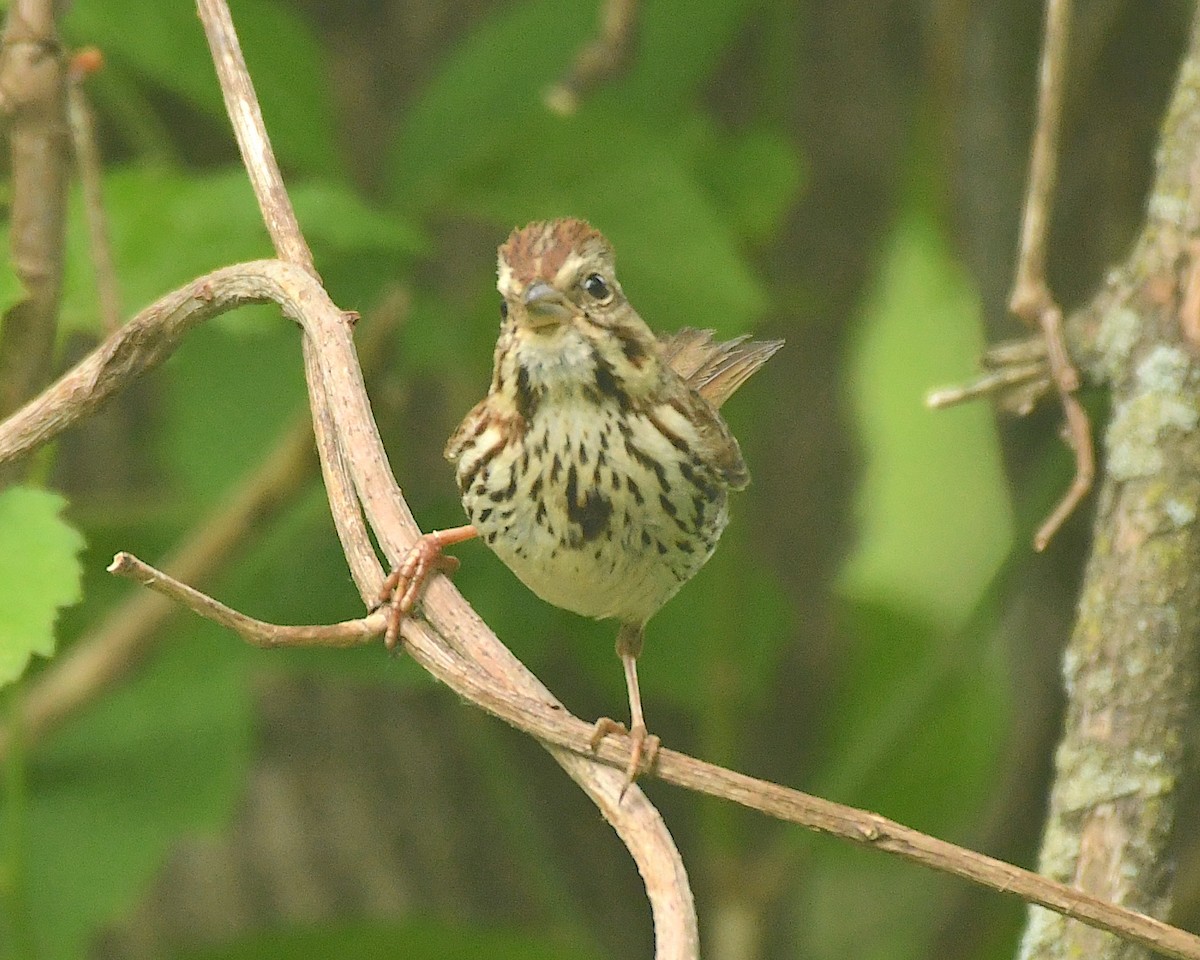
1130 666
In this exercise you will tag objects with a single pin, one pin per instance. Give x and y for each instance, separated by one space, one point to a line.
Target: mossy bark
1130 666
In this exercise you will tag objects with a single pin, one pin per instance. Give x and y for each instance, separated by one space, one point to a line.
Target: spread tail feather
715 370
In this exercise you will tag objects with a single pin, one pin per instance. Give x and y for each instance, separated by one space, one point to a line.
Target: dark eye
596 287
503 309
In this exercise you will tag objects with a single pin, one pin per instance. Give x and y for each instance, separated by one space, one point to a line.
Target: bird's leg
403 586
643 746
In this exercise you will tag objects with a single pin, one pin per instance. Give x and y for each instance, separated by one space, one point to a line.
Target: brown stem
91 179
33 101
1016 373
1031 298
602 58
258 157
351 633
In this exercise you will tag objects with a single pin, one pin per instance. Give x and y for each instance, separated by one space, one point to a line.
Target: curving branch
361 487
107 653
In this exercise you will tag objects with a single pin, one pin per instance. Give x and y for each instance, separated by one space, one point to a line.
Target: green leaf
678 259
527 45
161 756
673 62
933 506
530 45
168 227
251 379
414 940
164 42
12 291
335 218
39 573
753 177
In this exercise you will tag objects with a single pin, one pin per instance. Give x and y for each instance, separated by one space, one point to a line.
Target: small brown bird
597 467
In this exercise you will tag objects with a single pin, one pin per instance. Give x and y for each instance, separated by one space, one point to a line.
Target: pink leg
404 585
643 745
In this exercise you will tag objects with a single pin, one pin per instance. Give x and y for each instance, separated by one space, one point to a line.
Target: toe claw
601 729
401 590
643 749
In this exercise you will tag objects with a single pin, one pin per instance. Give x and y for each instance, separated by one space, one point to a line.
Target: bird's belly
600 582
596 517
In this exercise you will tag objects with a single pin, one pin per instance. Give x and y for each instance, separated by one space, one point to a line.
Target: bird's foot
405 584
643 748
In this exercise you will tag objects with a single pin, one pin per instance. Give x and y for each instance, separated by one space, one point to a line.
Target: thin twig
1016 372
258 157
350 633
1031 299
91 180
554 725
602 58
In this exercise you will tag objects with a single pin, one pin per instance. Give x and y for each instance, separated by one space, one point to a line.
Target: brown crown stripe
539 250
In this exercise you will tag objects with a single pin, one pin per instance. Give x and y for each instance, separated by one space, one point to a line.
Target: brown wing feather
715 370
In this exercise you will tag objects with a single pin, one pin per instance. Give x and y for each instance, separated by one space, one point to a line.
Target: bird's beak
545 306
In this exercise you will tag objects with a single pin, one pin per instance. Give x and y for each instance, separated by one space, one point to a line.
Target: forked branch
1020 384
1031 299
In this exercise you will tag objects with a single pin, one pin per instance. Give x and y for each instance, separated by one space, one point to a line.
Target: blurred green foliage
416 940
935 519
912 727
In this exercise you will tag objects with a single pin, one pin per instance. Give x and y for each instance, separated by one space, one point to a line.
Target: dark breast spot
606 383
467 477
632 347
527 397
592 515
591 512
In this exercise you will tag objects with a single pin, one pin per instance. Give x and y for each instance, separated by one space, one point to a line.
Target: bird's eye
596 287
503 309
